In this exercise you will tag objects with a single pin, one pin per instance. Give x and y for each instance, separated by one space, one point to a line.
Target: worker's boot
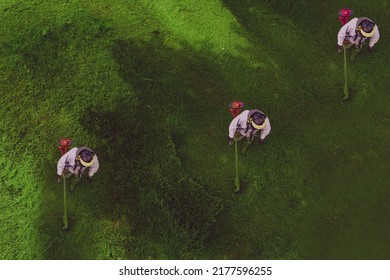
239 137
347 44
245 146
354 53
73 184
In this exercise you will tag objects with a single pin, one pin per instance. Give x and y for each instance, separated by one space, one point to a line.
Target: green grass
147 85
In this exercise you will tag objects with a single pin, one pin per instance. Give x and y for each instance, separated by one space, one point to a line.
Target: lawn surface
147 85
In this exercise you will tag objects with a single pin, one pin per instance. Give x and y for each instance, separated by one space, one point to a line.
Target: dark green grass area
147 85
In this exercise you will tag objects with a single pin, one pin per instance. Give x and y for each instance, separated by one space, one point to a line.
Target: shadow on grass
144 142
177 98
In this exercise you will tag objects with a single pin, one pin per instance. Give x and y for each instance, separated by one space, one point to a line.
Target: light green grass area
147 84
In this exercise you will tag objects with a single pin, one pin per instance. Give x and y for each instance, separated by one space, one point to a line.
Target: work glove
370 49
89 179
59 179
230 142
339 49
261 141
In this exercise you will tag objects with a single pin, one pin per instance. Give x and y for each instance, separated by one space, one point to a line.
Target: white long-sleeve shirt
240 124
68 162
348 32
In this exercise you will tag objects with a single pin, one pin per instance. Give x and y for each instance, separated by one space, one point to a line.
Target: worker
76 162
355 33
249 125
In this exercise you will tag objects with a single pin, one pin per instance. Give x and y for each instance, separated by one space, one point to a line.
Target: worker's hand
59 179
261 141
89 179
370 49
230 142
339 49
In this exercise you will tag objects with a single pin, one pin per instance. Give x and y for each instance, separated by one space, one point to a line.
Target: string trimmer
346 93
344 15
237 181
65 218
63 145
235 108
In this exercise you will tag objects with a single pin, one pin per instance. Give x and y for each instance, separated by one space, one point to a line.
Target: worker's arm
62 164
374 38
265 131
94 167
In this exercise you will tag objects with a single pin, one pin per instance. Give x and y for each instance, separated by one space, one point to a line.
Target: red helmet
64 144
345 12
236 104
235 107
344 15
